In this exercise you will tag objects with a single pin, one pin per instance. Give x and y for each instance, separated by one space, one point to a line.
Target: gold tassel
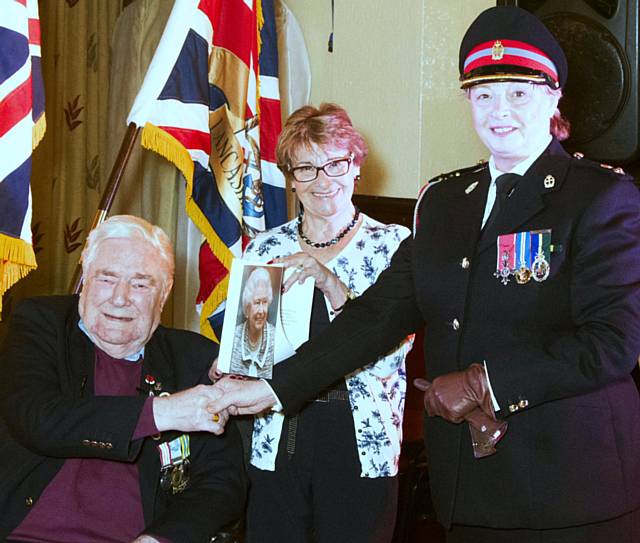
166 145
17 259
37 133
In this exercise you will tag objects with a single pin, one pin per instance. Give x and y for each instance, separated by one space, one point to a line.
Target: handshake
206 408
465 395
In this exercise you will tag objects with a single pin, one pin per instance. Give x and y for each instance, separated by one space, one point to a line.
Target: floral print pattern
377 391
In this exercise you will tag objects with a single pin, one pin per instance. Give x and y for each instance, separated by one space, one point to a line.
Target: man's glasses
333 168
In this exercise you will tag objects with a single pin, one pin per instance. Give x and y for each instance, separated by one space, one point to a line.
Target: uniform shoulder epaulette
481 165
615 169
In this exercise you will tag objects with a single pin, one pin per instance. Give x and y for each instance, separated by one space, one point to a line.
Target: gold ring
215 417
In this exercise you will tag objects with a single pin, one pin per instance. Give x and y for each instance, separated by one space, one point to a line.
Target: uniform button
464 263
523 403
109 446
455 324
94 443
29 501
86 442
513 408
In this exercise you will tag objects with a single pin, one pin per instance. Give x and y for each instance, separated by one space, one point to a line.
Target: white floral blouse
377 391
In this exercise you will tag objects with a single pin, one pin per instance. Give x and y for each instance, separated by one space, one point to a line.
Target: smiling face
325 196
257 309
124 290
512 119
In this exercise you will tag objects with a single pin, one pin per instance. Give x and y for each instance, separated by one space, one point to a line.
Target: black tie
504 187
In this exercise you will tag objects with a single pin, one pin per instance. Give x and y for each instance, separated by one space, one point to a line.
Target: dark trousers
623 529
316 494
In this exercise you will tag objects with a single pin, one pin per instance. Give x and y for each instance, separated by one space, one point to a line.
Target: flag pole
110 191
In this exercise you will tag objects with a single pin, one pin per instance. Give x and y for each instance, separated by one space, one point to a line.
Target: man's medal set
524 256
174 455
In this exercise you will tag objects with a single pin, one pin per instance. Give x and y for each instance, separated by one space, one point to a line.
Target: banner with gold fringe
22 126
210 104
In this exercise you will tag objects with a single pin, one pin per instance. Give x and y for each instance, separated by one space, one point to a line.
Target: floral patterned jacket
376 391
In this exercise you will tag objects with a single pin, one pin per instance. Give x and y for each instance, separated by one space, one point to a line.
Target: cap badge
471 187
497 51
549 182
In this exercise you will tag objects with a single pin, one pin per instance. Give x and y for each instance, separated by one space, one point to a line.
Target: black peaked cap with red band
508 43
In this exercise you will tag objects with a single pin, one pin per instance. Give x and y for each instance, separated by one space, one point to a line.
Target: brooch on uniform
524 255
174 458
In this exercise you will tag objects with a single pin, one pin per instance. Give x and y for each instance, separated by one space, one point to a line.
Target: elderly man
253 342
104 434
525 273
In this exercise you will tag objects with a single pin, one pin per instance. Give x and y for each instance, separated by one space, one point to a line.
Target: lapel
528 198
81 356
156 363
462 213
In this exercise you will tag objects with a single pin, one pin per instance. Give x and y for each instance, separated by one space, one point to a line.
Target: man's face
123 295
258 309
511 119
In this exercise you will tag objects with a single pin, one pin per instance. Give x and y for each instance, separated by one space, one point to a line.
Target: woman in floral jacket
329 474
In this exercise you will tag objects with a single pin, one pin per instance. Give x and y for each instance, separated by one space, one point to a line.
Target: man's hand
454 395
186 411
241 396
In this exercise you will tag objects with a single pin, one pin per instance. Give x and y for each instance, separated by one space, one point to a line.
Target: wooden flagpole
110 192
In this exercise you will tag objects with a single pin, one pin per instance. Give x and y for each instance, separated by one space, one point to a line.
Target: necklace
333 241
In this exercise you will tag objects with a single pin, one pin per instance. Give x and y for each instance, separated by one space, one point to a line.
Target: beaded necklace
333 241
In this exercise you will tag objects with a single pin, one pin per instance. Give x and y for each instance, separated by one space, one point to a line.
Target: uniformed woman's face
512 119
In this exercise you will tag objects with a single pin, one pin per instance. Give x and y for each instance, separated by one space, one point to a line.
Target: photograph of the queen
253 344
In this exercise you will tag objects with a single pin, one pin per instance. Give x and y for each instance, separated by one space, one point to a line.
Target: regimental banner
22 126
210 104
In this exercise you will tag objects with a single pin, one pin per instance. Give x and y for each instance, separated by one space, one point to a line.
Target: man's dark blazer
558 352
49 413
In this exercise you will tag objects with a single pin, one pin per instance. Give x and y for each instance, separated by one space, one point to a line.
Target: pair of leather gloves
464 395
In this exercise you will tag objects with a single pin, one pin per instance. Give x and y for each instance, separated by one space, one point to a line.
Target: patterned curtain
69 166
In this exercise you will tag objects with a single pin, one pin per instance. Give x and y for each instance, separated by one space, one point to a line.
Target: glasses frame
349 160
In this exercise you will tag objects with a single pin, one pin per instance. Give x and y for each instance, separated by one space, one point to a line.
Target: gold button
29 501
94 443
523 403
86 442
455 324
513 408
464 263
109 446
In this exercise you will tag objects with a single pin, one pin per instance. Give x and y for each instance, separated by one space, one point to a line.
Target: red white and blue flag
210 104
22 126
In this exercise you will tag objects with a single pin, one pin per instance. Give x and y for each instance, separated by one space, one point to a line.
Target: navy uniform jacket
558 352
49 413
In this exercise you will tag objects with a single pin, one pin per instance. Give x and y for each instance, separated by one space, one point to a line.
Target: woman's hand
307 266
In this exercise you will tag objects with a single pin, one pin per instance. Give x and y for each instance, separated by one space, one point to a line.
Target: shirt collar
521 167
135 357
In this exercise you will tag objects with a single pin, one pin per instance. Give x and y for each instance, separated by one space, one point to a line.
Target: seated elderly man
104 434
253 344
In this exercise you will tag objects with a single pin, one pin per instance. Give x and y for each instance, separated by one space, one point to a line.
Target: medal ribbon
174 452
523 248
506 257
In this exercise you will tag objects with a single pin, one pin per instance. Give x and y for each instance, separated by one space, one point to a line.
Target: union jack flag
22 126
210 104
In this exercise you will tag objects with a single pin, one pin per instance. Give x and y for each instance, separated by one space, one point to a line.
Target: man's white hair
130 227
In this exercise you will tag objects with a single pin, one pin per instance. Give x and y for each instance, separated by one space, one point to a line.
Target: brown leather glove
485 429
454 395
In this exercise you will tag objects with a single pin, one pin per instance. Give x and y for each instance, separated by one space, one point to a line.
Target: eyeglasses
333 168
